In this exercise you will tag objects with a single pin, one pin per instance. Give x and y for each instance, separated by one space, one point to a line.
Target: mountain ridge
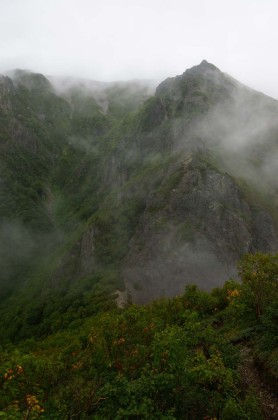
146 196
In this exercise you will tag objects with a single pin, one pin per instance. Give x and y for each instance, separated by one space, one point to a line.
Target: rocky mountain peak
206 64
167 196
203 68
196 89
175 86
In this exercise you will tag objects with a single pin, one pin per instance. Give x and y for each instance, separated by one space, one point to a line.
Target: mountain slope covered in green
178 358
107 196
113 194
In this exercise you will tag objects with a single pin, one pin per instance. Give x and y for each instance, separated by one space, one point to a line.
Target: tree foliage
259 275
171 359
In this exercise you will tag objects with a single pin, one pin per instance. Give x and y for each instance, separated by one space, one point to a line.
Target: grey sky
154 39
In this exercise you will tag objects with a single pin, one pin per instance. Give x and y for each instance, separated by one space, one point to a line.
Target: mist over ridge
133 187
138 209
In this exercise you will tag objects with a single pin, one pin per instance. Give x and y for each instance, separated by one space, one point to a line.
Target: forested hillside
178 358
115 194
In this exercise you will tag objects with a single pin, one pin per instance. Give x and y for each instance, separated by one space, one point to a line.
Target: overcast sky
152 39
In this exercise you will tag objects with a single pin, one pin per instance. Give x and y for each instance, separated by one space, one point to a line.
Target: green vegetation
89 181
172 359
63 232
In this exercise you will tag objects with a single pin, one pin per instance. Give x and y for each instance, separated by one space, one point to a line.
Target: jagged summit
203 68
198 76
204 62
205 65
150 189
198 88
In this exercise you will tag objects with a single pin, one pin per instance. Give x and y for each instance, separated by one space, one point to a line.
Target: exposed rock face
196 90
156 194
196 236
209 219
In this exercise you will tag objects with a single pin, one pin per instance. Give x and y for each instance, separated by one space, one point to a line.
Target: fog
166 268
21 251
238 135
241 129
151 39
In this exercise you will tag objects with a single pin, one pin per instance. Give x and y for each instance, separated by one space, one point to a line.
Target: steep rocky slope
195 234
102 192
218 199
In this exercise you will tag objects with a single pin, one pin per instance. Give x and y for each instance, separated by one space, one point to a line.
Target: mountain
217 197
110 193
